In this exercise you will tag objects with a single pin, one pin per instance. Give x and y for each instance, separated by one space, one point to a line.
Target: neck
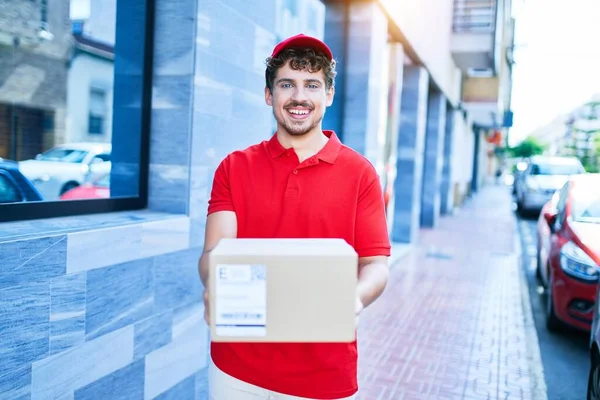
306 145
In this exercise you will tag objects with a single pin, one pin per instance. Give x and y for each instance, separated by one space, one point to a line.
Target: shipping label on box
241 300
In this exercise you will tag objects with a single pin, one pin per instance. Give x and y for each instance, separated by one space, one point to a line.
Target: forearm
219 225
372 280
203 267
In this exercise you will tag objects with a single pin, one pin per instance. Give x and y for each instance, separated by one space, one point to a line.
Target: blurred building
482 45
572 133
34 47
56 75
583 129
552 134
422 86
91 74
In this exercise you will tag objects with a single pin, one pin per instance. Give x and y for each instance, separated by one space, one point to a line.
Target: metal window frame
53 209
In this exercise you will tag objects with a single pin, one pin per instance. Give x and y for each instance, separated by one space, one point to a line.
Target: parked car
543 176
14 187
518 169
97 189
569 252
64 167
544 234
592 214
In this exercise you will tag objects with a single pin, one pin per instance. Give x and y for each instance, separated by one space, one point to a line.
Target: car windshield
63 155
586 207
555 169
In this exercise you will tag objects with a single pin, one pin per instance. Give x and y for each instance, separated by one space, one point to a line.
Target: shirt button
295 172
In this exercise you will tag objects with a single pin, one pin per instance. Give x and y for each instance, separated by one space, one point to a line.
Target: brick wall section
20 17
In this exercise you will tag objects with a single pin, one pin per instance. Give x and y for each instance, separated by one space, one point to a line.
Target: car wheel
593 389
538 268
68 186
553 324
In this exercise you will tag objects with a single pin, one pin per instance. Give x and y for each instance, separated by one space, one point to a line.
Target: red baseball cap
302 40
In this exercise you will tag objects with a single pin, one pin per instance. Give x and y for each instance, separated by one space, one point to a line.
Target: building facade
576 133
33 76
110 305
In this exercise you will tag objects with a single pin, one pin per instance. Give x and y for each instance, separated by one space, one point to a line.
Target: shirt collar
328 153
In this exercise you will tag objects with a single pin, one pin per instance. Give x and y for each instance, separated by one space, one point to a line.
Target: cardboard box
283 290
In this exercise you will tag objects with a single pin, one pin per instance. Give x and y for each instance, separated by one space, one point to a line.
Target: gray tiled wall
411 146
447 189
114 310
335 32
433 159
364 87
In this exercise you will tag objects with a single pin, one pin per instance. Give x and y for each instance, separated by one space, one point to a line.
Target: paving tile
450 324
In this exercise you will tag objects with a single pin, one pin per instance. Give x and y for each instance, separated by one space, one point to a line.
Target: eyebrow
288 80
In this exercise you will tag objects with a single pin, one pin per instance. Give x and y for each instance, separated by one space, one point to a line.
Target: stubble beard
298 128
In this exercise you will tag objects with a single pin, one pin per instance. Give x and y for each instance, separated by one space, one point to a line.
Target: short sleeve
220 196
372 237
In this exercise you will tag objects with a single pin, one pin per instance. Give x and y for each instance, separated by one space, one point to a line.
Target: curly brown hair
301 59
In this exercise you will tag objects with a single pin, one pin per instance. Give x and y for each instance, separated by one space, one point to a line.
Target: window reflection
59 103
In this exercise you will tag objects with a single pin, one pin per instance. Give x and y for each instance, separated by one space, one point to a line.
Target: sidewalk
455 320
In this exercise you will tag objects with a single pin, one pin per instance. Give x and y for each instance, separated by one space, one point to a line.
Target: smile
298 113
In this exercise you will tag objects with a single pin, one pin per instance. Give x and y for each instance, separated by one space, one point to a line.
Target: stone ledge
28 229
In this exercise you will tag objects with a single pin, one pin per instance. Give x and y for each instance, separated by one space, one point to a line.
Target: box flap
277 247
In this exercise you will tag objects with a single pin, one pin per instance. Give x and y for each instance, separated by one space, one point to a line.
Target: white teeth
299 112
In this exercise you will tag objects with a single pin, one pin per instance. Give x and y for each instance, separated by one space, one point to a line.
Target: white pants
225 387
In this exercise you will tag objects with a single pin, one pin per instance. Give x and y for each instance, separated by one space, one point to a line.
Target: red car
569 252
99 189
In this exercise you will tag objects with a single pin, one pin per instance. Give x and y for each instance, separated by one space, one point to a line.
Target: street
564 355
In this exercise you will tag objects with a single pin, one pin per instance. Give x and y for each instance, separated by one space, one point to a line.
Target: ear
330 95
268 97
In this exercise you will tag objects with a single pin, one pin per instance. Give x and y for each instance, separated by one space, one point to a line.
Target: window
75 106
63 155
561 207
101 157
9 193
585 205
44 14
97 111
555 169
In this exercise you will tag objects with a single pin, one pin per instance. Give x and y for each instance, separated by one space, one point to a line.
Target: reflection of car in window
97 189
14 187
63 155
65 167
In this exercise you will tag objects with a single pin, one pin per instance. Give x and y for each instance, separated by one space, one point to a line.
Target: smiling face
299 99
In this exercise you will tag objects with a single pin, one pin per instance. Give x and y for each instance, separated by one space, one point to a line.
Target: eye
313 86
286 85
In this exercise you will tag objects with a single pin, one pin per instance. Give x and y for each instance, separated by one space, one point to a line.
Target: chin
297 133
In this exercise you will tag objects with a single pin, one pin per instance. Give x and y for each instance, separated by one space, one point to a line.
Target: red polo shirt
334 194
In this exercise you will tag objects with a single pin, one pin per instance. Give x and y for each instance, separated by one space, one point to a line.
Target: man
302 183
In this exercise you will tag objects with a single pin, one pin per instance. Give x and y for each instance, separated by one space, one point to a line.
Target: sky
557 60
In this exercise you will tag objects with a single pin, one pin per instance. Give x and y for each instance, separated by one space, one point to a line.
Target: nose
299 94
